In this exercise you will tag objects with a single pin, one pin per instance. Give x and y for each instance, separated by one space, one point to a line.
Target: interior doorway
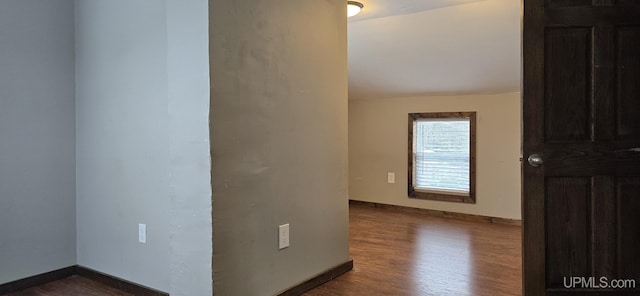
426 57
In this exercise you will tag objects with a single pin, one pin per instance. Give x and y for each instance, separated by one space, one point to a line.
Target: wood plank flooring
396 253
71 286
400 253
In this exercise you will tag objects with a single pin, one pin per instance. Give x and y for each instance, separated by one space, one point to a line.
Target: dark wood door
581 112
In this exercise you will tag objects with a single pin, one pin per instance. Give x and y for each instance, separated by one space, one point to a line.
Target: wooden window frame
412 192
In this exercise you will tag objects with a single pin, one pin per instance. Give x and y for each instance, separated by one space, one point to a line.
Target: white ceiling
428 47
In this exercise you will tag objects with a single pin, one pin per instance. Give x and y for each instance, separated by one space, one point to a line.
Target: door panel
581 112
628 190
568 84
603 226
564 3
567 205
628 87
627 2
570 3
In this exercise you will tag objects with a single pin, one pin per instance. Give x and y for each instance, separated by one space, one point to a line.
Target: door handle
535 160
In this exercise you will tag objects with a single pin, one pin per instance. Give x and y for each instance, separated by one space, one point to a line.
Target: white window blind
441 155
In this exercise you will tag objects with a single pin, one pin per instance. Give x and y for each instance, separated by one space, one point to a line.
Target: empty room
434 148
325 147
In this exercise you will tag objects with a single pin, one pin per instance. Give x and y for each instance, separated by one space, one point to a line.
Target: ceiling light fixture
353 8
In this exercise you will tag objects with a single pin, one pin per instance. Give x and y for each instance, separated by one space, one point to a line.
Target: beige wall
378 144
279 142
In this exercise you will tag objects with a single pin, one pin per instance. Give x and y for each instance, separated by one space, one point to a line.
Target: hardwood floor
400 253
71 286
396 253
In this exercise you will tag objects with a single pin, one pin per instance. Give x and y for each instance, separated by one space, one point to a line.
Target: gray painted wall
37 162
143 142
279 142
189 147
122 139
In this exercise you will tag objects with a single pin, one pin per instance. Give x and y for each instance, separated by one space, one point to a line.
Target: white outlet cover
283 236
391 177
142 233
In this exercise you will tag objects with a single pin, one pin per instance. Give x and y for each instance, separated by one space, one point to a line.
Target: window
442 156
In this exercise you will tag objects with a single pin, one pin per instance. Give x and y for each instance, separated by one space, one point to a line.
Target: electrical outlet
142 233
283 236
391 177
